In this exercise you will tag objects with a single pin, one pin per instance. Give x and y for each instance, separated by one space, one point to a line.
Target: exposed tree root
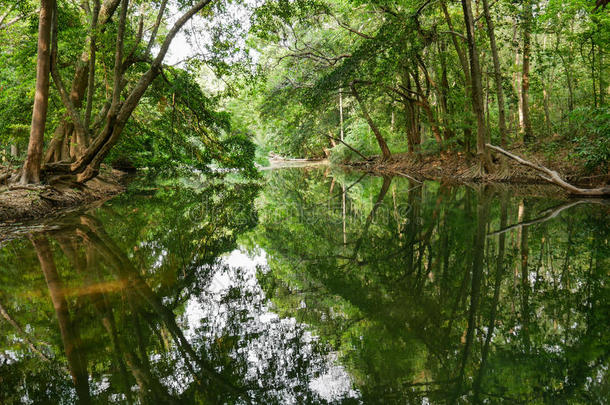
24 202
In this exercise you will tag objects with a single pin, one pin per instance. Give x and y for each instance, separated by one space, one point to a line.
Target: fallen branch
273 156
23 334
554 176
350 147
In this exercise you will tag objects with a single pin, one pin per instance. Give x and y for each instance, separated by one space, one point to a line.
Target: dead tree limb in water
554 176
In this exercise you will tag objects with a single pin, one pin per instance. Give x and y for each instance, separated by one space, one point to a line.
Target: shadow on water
345 289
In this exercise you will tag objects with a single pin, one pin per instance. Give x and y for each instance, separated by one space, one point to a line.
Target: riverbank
460 167
21 203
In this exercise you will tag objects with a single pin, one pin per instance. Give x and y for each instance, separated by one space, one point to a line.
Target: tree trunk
477 88
65 146
411 116
343 212
422 99
566 69
525 76
387 181
602 86
457 46
380 141
341 113
525 285
465 69
87 165
593 85
443 93
516 83
497 74
412 126
496 296
67 143
92 50
31 167
478 265
547 110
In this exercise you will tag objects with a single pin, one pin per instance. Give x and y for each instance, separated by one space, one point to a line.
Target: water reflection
137 305
323 287
432 294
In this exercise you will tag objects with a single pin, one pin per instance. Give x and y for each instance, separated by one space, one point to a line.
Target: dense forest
91 82
304 201
390 77
112 96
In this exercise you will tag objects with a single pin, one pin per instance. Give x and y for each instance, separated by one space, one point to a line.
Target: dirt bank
459 167
19 203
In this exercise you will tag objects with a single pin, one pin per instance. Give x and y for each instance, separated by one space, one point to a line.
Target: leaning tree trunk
476 88
69 336
380 140
31 167
87 165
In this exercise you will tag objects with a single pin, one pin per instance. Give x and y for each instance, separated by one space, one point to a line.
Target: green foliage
146 282
17 73
178 128
179 125
403 56
590 135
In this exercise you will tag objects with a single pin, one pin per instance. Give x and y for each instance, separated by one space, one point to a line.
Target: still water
316 286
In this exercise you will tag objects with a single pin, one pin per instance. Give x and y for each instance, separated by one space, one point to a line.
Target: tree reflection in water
431 293
114 327
325 287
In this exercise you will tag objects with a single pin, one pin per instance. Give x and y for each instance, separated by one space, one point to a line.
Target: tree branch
118 55
554 176
130 57
350 29
350 147
155 28
8 12
91 79
65 98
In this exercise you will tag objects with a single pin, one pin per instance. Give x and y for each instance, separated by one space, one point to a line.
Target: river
311 286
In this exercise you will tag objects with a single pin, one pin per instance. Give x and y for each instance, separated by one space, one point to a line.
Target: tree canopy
299 78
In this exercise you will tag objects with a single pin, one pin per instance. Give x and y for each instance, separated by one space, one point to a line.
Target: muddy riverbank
19 203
